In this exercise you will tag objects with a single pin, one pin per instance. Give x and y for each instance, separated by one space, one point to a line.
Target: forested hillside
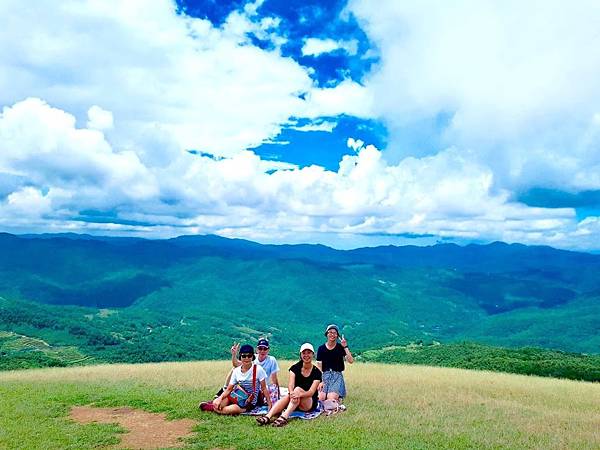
119 299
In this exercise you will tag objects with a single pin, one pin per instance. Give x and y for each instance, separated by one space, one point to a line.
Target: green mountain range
131 300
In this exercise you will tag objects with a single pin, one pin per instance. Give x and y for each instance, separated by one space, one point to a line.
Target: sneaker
207 406
220 391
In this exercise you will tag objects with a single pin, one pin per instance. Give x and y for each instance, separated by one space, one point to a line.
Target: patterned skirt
334 382
273 392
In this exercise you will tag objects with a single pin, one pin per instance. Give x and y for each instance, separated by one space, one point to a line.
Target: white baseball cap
307 346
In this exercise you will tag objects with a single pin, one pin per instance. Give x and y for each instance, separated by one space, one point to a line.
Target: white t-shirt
270 365
245 379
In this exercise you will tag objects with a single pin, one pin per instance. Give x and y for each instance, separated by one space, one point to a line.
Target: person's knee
306 405
230 411
333 396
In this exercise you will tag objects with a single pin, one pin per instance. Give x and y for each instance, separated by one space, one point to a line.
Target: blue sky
316 121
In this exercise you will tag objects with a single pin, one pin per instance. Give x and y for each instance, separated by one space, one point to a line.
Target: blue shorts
334 382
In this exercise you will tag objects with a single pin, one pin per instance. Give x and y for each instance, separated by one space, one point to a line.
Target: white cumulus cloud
99 119
158 72
64 171
316 46
101 102
42 145
516 80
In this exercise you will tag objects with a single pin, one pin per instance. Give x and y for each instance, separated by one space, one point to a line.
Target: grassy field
390 406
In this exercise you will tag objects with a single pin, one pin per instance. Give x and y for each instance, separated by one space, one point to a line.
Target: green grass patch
389 406
24 352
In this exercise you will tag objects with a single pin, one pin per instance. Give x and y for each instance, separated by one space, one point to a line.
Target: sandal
280 422
263 420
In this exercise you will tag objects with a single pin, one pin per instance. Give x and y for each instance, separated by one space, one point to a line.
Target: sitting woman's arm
313 388
291 382
320 366
217 401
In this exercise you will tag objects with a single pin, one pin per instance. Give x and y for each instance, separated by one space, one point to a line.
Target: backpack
332 407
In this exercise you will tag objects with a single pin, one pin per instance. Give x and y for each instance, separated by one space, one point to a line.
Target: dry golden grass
451 401
201 374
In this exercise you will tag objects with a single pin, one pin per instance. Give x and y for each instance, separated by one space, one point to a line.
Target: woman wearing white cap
303 383
330 359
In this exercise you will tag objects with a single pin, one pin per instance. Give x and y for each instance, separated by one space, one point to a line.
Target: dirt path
145 430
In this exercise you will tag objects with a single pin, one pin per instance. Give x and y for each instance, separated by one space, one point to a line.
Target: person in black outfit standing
330 359
303 395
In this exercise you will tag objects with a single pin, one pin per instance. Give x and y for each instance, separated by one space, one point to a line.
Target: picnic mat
262 410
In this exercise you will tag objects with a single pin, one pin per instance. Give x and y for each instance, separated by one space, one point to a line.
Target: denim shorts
334 382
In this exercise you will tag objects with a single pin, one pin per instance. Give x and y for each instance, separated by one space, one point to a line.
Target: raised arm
348 356
234 351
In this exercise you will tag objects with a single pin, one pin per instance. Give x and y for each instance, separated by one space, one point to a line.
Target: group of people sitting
254 380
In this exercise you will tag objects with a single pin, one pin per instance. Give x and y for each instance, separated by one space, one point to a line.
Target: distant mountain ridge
191 296
496 256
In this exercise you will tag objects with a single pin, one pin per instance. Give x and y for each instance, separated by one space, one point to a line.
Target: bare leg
230 410
278 406
304 403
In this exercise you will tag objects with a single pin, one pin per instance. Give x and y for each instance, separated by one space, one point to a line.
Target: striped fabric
245 380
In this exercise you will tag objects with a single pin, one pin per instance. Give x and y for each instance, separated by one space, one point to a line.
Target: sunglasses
246 355
263 348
